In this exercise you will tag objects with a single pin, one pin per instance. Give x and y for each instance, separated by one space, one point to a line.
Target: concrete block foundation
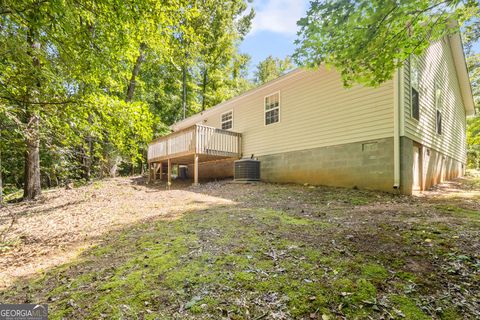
366 165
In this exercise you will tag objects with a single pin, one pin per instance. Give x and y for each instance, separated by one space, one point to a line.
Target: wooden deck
192 145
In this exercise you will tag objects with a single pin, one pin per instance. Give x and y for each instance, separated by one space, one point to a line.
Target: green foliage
473 142
127 127
367 40
375 272
104 77
206 51
408 308
473 63
471 34
271 68
473 124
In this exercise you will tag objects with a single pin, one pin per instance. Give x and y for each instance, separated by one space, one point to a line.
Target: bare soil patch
56 228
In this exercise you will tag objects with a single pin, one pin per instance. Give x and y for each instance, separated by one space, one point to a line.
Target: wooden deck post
195 170
160 166
169 172
153 172
150 172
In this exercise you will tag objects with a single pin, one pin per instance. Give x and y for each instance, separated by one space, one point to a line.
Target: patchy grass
276 252
454 210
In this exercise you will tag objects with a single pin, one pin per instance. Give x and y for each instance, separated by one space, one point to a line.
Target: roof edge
461 69
458 54
196 117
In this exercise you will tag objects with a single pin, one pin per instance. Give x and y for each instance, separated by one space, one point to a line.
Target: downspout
397 101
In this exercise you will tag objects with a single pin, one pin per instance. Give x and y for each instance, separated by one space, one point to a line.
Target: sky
274 29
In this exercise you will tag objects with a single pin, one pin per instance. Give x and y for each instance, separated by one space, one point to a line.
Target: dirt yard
123 249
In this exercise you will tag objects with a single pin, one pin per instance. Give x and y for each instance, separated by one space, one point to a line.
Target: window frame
438 102
277 107
414 86
229 120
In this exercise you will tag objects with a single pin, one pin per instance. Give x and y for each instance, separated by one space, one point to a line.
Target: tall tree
84 84
159 20
471 36
272 68
221 26
136 69
1 168
367 40
200 72
46 46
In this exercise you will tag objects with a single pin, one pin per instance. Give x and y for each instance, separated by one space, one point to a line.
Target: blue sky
274 29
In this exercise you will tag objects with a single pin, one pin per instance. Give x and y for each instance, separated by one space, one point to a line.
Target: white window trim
222 122
279 109
417 88
438 106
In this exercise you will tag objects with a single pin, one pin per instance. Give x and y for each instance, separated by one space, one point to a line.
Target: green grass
408 308
455 210
12 194
242 262
375 272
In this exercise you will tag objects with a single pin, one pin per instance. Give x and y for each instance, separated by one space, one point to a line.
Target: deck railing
197 139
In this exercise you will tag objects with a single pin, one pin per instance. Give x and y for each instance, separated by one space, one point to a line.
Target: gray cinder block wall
367 165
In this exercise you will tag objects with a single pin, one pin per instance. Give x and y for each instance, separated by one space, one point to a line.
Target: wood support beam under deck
169 172
160 167
195 169
151 167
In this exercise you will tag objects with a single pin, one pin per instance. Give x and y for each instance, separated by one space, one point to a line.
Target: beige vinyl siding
315 111
437 65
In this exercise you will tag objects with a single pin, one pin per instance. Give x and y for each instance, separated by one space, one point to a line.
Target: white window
438 107
272 108
227 120
414 84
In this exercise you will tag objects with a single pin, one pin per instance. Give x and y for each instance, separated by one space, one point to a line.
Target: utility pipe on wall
397 101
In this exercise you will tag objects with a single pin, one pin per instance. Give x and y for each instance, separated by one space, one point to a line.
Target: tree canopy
85 85
272 68
473 125
367 40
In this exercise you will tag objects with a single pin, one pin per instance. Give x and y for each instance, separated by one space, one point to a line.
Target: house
305 127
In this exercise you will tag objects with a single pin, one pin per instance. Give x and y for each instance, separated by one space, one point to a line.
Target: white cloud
278 16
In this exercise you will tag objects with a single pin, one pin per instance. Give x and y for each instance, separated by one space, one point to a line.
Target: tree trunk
204 88
184 91
49 180
135 71
1 181
156 105
144 165
88 155
31 186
